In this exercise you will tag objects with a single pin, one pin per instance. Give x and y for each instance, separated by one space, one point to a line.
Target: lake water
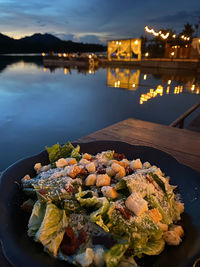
41 106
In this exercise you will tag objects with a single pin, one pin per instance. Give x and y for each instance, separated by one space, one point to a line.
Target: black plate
23 251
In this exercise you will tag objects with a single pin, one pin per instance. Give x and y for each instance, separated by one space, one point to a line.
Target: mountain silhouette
38 43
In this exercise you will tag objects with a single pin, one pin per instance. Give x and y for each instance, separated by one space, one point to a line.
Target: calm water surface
40 107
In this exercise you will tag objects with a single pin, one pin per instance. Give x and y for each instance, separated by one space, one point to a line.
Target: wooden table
182 144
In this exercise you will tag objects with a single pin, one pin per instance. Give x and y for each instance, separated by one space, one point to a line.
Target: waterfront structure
187 51
124 49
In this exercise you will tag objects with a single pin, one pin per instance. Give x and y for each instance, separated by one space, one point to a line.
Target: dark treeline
39 43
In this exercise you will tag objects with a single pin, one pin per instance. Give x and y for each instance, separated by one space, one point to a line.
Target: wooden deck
182 144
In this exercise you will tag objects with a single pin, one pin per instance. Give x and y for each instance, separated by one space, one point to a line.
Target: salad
101 210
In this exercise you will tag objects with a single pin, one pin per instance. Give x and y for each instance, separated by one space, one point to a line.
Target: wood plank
182 144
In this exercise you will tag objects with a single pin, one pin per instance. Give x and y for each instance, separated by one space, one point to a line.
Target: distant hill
41 38
38 43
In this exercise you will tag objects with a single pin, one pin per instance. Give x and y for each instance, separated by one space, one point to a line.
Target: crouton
84 161
90 167
45 168
91 179
119 170
102 179
109 191
26 178
73 171
155 215
61 163
135 164
146 165
86 156
171 238
180 206
163 226
178 229
37 167
71 161
124 163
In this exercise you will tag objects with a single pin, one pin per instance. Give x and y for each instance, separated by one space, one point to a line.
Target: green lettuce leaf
158 181
100 204
114 255
36 218
57 151
166 218
108 154
51 231
152 247
71 205
75 152
96 216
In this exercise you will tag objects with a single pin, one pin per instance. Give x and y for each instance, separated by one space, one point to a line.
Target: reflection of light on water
167 91
160 91
125 78
44 69
65 71
151 94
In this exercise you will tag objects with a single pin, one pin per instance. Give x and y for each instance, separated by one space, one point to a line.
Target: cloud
94 39
64 36
93 20
177 18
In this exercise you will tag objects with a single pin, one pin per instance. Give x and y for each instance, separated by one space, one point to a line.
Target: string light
164 35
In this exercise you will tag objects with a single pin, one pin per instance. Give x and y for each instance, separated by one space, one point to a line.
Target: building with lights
184 51
124 50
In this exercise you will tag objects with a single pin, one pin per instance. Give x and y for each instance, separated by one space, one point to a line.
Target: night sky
94 20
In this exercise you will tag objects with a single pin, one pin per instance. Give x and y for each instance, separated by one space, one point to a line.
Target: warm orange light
133 85
174 35
65 71
59 55
169 81
172 53
151 94
44 69
145 76
167 89
146 54
193 87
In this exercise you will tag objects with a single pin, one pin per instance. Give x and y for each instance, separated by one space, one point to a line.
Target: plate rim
20 161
